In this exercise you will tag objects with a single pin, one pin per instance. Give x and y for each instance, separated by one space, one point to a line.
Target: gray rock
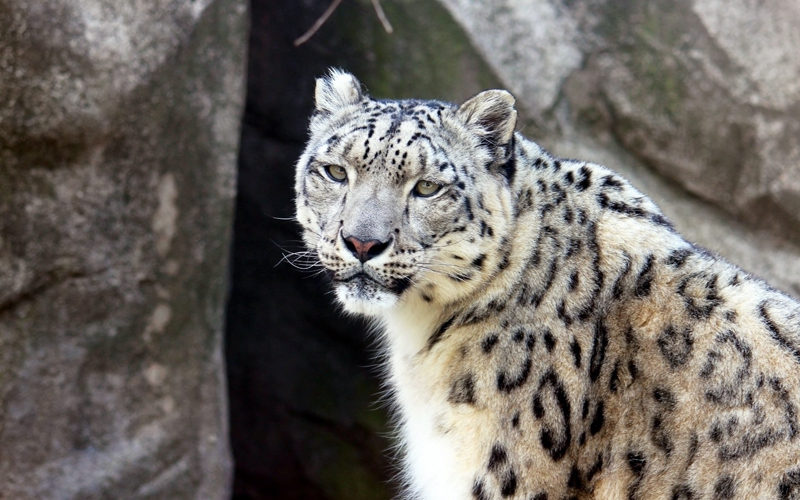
118 136
531 45
685 93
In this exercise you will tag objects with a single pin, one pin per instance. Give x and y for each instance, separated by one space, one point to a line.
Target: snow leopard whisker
302 260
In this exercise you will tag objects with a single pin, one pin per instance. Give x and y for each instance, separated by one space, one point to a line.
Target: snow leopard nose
365 250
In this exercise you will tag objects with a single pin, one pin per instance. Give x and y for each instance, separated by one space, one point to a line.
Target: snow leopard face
401 198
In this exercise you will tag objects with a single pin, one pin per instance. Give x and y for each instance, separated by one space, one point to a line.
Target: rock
532 46
685 95
118 140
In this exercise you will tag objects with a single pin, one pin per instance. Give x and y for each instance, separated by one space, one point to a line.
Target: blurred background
153 345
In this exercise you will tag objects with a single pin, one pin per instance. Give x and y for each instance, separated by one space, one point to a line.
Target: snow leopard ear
336 90
492 115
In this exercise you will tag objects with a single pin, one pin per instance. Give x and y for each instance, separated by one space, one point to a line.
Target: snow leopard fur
548 333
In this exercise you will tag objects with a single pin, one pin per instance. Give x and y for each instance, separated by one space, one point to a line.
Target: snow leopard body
548 334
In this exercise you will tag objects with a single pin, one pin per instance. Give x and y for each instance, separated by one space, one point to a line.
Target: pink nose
365 250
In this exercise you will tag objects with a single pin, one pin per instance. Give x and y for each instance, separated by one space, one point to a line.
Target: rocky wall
119 126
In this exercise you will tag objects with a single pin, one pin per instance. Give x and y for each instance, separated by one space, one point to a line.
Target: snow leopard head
405 198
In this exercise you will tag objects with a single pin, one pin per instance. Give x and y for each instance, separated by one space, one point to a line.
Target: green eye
426 188
336 173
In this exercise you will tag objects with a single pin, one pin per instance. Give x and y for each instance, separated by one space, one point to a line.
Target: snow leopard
547 332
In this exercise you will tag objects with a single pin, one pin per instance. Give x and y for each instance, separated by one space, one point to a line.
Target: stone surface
118 136
531 45
684 93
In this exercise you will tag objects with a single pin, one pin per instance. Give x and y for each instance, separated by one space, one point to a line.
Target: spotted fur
549 334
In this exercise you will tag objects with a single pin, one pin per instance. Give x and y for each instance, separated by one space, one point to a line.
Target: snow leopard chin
364 296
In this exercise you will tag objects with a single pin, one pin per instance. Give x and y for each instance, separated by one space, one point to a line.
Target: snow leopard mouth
365 285
363 294
360 279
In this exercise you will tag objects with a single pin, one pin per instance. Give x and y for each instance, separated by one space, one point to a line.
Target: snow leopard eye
336 173
426 188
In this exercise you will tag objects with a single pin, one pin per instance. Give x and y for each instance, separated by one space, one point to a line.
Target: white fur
353 302
431 458
340 89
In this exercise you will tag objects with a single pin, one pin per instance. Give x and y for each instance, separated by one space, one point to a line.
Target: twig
382 16
324 17
317 25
